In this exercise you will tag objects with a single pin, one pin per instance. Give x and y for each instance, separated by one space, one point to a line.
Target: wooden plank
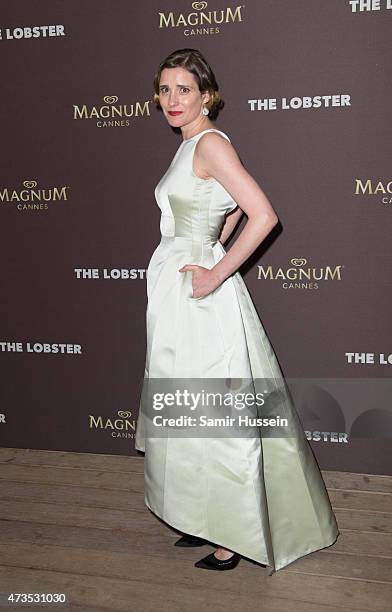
131 481
55 514
355 542
73 495
344 565
358 482
363 520
361 500
92 537
114 463
174 576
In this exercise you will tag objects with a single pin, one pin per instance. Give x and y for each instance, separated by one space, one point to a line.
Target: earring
205 110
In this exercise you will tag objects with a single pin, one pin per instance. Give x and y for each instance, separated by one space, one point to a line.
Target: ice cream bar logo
299 275
32 197
382 189
111 113
122 427
199 20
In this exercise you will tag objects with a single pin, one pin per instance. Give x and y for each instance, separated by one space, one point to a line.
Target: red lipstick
174 112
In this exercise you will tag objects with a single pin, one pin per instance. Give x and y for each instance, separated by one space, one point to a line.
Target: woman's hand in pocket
204 281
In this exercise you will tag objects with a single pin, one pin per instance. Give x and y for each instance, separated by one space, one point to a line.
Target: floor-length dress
261 497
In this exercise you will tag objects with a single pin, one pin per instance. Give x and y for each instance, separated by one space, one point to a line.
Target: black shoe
213 563
186 541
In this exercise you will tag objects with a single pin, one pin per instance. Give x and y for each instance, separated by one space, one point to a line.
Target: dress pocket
205 300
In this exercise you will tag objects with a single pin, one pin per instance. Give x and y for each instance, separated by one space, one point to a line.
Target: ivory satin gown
261 497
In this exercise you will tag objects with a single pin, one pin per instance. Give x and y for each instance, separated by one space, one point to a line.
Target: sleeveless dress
262 497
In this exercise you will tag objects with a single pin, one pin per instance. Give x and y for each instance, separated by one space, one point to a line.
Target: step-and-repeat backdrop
307 93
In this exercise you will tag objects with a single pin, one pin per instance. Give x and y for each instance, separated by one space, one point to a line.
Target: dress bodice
191 207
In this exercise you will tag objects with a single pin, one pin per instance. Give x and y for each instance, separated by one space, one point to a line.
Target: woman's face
179 96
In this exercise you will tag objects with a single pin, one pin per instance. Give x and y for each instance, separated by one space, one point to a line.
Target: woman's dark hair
193 61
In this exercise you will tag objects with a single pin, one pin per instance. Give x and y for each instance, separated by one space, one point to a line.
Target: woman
257 497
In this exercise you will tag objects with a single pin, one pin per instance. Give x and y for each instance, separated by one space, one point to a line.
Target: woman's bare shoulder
213 148
210 139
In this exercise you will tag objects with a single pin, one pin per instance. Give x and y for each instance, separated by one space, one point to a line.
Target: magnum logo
299 275
31 197
122 427
111 114
200 17
369 187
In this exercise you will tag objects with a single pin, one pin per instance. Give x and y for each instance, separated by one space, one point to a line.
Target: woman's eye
184 89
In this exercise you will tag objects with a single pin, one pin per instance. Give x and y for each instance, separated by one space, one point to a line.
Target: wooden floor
76 523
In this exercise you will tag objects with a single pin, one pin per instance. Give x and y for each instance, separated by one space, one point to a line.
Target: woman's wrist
218 273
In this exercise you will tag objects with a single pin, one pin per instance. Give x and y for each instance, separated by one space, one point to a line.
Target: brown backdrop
79 220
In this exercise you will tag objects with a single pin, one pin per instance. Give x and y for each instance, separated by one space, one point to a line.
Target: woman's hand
204 281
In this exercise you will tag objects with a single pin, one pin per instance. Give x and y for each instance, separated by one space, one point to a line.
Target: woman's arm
230 223
218 158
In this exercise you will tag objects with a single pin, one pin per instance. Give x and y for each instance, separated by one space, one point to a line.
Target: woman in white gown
259 497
